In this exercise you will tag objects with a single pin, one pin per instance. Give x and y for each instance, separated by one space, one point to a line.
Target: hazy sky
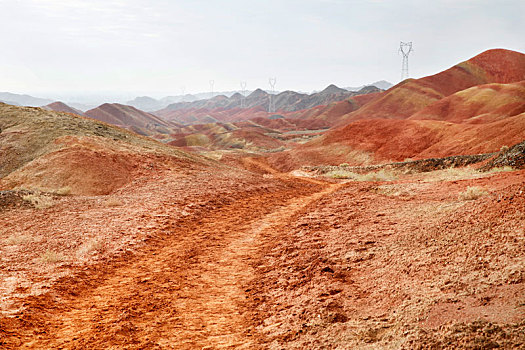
156 47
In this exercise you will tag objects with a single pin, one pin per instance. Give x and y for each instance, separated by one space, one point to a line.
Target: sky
71 48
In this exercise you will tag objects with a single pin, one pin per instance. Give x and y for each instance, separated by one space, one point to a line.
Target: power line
271 104
212 82
405 49
243 92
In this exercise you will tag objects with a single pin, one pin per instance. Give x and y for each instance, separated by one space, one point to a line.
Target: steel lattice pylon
405 49
271 104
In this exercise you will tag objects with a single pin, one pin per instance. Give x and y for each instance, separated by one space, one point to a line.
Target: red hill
411 96
478 104
131 118
62 107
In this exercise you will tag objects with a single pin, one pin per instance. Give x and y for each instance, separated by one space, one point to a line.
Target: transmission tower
243 92
212 82
183 91
271 105
405 49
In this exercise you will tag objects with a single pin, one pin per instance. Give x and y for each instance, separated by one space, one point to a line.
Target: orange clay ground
236 259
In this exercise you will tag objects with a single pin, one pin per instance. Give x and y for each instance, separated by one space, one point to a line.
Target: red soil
356 271
228 259
189 254
399 139
366 142
480 104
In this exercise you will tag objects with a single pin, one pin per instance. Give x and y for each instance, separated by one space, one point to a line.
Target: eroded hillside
386 231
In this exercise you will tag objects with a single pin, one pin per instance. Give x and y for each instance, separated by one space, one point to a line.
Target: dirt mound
400 139
82 166
51 151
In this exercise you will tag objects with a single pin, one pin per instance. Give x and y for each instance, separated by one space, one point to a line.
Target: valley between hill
390 219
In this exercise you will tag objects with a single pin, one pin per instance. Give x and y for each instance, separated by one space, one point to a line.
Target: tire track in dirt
184 291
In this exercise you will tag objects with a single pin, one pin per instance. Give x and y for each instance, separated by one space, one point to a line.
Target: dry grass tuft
50 256
501 169
472 193
90 246
39 201
393 191
113 202
64 191
381 175
452 174
17 238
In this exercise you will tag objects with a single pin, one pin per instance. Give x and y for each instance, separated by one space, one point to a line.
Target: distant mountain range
150 104
382 84
224 108
145 103
23 100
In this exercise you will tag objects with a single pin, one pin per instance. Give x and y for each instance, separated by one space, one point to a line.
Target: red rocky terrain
109 239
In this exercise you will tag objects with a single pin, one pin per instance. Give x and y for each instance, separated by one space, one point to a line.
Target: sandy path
186 290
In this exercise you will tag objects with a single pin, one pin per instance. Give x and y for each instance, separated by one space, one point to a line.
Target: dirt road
185 289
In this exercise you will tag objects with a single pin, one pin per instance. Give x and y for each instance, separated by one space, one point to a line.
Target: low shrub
472 193
50 256
18 238
381 175
39 201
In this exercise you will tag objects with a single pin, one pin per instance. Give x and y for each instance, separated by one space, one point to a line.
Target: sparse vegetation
381 175
90 246
392 191
452 174
50 256
39 201
501 169
472 193
113 202
17 238
63 191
